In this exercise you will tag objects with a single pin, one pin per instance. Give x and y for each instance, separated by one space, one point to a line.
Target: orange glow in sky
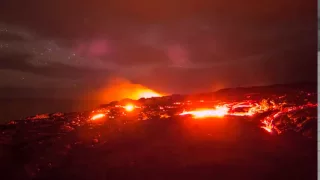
147 93
118 89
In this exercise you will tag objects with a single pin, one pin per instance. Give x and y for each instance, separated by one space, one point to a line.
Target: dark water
13 109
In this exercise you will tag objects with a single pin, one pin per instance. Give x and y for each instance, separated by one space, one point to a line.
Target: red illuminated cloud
178 55
95 48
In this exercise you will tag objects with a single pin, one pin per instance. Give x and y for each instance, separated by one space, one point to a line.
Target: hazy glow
129 107
147 94
118 89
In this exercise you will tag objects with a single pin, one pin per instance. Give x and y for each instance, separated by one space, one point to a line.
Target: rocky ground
154 141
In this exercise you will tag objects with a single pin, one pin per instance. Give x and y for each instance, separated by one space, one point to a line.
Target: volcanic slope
243 135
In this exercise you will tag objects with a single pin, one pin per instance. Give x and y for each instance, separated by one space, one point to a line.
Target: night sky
64 48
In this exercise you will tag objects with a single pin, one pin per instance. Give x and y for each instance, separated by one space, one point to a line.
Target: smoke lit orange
146 93
121 89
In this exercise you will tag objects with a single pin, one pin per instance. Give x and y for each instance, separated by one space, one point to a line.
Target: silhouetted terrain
14 105
19 108
265 134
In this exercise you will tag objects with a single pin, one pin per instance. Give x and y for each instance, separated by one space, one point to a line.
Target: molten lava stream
97 116
219 111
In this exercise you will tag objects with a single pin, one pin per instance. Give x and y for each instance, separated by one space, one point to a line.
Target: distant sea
15 109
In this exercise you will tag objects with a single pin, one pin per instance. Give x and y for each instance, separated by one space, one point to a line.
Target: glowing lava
267 125
219 111
97 116
129 107
250 109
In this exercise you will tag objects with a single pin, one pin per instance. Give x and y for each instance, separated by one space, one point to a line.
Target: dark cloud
42 92
14 61
173 46
140 55
11 37
71 18
282 65
21 62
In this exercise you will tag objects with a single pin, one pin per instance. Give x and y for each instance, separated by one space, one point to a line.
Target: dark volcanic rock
164 145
